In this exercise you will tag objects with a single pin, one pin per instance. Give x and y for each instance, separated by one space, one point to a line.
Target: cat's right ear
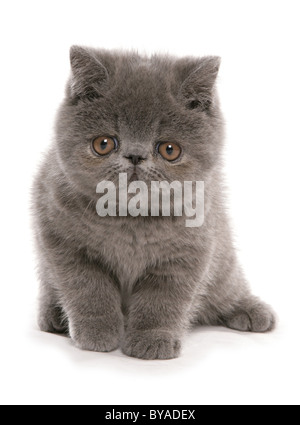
89 77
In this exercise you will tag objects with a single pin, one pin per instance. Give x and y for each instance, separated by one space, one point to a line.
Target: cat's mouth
134 177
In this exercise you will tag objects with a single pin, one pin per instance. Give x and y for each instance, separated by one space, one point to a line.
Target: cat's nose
135 159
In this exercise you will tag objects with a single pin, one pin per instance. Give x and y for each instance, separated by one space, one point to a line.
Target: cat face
153 118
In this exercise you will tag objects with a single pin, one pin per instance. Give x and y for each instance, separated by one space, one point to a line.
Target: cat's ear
198 78
89 77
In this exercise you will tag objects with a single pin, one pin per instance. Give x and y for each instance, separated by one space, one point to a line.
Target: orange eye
104 145
169 151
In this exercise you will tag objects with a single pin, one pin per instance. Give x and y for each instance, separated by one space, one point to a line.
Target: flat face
160 109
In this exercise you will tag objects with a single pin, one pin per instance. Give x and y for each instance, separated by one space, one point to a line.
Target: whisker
89 204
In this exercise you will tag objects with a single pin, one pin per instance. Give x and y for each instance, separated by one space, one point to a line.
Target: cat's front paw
151 345
92 337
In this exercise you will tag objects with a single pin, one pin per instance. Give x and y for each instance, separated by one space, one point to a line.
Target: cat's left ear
89 77
199 77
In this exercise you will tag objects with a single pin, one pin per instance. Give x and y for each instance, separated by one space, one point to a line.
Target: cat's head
155 118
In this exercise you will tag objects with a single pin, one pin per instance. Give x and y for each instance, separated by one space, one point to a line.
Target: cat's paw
151 345
92 337
255 317
52 320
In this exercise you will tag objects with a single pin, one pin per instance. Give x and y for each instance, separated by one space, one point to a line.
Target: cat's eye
169 151
104 145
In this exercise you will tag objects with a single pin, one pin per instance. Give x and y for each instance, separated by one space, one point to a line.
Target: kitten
137 282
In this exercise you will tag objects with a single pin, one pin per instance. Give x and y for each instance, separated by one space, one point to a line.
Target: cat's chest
130 250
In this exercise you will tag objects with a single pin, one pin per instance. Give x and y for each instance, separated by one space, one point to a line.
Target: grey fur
138 283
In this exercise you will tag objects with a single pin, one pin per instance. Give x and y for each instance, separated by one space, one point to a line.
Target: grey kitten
137 282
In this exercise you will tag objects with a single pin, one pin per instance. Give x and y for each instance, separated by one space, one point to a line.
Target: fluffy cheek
84 170
187 171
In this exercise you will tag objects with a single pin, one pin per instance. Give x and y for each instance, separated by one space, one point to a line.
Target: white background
260 92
